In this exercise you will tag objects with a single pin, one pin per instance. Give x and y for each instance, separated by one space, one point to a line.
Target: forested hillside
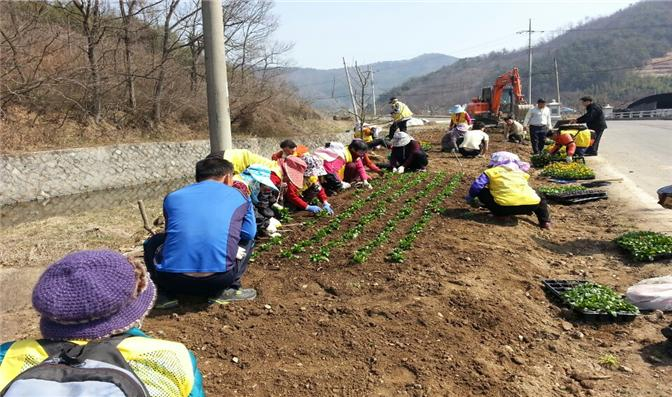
327 89
94 71
601 57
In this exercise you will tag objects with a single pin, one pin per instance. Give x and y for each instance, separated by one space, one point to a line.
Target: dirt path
464 315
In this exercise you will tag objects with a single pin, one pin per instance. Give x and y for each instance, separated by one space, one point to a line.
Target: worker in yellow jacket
92 304
400 116
504 190
242 159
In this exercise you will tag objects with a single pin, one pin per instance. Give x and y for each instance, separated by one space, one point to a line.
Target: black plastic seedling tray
558 287
579 197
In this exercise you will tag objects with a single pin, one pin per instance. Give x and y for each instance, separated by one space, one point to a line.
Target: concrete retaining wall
42 175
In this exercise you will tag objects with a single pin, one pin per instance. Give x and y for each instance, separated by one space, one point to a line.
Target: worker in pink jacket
344 165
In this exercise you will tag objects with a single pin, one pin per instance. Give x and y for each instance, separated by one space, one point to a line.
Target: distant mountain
611 58
328 90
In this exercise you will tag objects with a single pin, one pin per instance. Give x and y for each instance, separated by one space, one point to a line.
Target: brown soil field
463 315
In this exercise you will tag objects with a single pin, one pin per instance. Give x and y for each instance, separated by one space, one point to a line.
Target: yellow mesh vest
510 188
243 158
164 367
581 138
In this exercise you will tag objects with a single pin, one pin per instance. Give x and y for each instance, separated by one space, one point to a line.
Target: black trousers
540 210
538 137
331 184
397 125
172 284
375 143
469 152
596 143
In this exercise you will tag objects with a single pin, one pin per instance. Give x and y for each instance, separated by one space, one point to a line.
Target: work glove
345 185
273 225
276 234
241 253
394 170
327 207
568 159
277 206
401 169
367 185
313 209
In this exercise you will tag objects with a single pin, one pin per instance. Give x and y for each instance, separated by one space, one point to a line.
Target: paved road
640 150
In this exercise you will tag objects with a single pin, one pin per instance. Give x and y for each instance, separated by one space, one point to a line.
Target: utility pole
219 119
529 32
557 79
373 92
352 94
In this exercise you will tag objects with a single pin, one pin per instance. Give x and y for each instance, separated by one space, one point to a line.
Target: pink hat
294 167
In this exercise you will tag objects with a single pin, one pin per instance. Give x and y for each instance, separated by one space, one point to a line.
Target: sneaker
545 225
232 295
164 302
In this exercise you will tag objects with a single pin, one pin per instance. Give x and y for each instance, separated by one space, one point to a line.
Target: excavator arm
511 77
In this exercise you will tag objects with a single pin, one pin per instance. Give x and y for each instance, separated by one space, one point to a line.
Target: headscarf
400 139
508 160
314 166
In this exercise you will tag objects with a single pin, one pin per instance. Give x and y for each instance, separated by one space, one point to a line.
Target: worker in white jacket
538 122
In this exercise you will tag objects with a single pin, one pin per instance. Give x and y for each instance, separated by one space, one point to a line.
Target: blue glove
313 209
327 207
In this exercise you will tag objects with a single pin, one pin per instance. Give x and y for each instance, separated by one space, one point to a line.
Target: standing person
407 154
594 119
210 230
504 190
459 116
475 142
92 305
538 121
514 131
400 116
289 148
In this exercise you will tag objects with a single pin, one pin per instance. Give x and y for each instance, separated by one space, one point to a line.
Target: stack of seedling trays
559 288
573 194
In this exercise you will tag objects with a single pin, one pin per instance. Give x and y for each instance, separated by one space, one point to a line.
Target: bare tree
362 98
127 11
90 15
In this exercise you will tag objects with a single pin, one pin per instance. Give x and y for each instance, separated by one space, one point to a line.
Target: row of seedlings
334 224
363 253
322 255
398 254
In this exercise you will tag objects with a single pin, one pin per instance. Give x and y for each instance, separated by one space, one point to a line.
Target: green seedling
645 246
609 361
599 298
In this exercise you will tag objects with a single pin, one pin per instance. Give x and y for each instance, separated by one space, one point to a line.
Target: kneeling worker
475 142
504 190
210 230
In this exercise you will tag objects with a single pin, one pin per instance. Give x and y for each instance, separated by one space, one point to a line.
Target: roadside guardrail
643 114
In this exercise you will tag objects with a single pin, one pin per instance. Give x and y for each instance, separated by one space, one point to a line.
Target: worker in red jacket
301 175
564 140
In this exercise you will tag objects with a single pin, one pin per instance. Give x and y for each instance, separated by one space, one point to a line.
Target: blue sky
370 31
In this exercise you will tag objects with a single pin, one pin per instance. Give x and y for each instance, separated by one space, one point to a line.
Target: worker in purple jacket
210 230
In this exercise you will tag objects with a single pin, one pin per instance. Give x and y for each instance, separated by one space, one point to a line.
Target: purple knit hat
91 295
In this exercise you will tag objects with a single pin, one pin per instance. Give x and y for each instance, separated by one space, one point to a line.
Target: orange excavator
504 98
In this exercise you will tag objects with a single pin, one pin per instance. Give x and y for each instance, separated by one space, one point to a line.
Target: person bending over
210 230
504 190
407 155
475 142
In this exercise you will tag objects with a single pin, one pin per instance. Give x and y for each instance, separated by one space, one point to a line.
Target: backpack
94 369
